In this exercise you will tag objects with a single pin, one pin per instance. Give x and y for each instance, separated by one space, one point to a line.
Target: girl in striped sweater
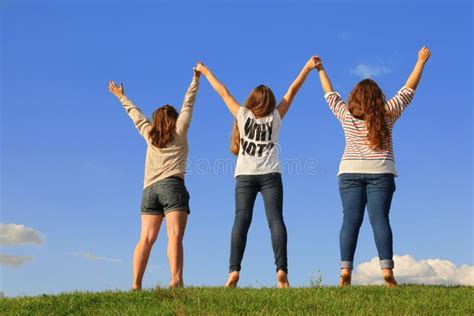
367 169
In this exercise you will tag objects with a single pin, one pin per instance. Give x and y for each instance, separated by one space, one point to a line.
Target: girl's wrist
421 62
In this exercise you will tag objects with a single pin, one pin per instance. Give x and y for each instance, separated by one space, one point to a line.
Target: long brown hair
366 102
261 101
163 126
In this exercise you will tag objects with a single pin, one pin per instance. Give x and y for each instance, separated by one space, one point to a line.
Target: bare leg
175 226
345 280
282 278
389 278
233 279
149 231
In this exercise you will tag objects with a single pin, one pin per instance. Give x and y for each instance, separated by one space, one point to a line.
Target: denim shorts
165 196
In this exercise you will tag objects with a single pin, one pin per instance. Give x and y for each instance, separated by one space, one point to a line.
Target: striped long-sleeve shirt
358 157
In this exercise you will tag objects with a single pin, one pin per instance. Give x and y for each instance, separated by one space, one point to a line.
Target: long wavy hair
163 126
366 102
261 101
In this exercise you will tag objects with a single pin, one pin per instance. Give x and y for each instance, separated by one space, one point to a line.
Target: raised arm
229 100
285 103
396 105
141 122
415 76
323 77
334 100
186 114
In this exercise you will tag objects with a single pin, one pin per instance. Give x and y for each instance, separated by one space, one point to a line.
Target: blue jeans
246 189
374 190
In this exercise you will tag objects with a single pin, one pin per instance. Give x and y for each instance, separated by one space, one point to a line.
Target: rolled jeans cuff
284 269
346 265
387 264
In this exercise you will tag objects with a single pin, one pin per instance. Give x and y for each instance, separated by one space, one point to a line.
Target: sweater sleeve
142 124
396 105
186 114
336 104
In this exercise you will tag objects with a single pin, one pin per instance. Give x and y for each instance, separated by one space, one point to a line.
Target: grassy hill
374 300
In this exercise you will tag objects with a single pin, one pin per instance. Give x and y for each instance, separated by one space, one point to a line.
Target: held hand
313 63
197 74
115 90
319 64
201 68
424 54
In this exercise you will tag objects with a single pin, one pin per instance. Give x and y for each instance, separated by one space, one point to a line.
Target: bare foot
232 280
282 278
136 287
389 278
176 284
346 276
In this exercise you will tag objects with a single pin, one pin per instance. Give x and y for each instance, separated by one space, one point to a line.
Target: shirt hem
255 173
367 166
166 175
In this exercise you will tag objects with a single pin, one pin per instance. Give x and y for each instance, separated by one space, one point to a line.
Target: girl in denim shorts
164 194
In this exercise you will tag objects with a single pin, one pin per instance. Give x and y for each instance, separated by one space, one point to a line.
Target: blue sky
72 162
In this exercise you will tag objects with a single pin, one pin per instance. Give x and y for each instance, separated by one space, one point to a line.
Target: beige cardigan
164 162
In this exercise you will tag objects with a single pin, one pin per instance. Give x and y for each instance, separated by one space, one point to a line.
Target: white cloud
344 36
15 235
14 261
90 256
409 270
368 71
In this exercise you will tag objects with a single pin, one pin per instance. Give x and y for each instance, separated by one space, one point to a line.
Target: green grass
372 300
